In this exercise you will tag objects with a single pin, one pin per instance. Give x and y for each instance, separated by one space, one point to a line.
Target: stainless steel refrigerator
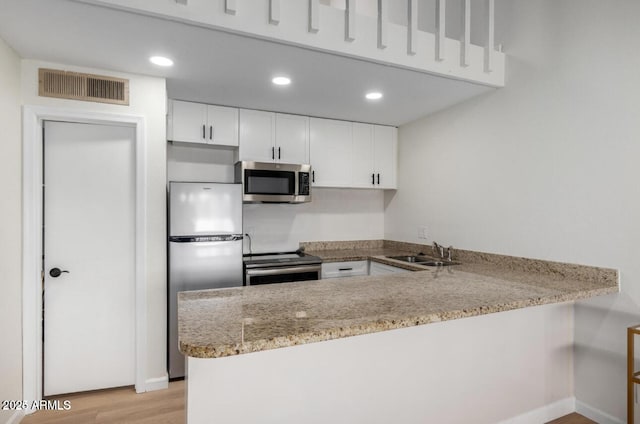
205 247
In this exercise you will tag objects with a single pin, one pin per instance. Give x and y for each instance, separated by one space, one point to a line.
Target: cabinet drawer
344 269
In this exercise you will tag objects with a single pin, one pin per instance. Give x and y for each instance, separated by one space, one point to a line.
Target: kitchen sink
423 260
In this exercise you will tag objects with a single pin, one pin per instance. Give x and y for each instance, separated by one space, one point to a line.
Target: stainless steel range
285 267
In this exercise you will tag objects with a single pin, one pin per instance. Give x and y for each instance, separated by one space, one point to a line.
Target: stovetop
265 260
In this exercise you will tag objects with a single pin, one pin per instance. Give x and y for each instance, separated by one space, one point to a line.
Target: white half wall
147 99
546 167
509 367
10 230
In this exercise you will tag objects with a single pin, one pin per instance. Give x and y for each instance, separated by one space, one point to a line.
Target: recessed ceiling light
374 95
161 61
281 81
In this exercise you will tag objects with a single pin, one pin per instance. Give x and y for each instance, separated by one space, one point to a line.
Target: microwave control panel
303 183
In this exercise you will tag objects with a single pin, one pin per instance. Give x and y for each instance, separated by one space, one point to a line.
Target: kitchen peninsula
416 373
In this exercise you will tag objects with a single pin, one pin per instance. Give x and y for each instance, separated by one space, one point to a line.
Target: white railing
356 28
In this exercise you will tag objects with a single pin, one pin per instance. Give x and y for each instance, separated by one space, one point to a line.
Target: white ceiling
221 68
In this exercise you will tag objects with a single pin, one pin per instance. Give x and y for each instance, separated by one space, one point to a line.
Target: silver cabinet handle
204 131
210 132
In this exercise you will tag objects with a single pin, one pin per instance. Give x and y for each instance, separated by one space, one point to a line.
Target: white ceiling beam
382 23
412 29
440 28
489 47
314 16
230 7
465 39
274 12
350 20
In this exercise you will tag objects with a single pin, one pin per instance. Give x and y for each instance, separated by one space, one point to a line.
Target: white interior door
89 231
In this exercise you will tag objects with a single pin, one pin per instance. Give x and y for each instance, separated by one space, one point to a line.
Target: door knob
56 272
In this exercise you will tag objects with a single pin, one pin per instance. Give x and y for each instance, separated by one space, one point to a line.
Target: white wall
333 214
195 163
545 167
147 99
10 229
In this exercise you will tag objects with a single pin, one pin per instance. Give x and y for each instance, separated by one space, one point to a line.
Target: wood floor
160 407
118 406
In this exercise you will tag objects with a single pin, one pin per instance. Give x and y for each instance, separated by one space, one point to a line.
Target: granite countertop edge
225 350
540 283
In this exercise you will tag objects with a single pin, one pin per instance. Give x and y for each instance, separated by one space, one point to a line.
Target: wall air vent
86 87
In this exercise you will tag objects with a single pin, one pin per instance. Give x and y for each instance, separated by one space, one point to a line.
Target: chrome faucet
438 249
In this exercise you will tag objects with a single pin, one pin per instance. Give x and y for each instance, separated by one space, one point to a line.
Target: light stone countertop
218 323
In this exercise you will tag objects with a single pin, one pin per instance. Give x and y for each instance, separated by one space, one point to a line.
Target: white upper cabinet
257 135
385 156
199 123
331 152
374 156
273 137
292 138
342 153
363 172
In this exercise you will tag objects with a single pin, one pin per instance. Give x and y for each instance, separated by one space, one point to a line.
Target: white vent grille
87 87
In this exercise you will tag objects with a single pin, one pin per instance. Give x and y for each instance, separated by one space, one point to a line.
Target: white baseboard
596 414
545 413
159 383
16 417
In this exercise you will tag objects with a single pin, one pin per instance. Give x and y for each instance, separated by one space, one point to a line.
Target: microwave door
267 182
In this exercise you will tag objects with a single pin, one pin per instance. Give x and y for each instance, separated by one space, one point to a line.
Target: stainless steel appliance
205 247
286 267
274 182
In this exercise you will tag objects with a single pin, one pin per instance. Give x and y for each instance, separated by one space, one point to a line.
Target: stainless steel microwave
274 182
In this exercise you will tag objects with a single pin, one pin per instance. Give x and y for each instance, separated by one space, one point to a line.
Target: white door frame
32 207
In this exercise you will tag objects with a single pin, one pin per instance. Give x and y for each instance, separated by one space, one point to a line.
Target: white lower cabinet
344 269
376 268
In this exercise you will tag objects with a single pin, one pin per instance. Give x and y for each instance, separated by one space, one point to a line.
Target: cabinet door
362 165
292 138
222 125
187 122
385 150
376 268
257 133
330 152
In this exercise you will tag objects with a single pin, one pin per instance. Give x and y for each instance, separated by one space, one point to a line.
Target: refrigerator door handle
199 239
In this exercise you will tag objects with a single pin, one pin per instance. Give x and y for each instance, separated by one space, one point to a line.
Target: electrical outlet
422 232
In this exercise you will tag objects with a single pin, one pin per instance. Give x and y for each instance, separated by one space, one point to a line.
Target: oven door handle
282 270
